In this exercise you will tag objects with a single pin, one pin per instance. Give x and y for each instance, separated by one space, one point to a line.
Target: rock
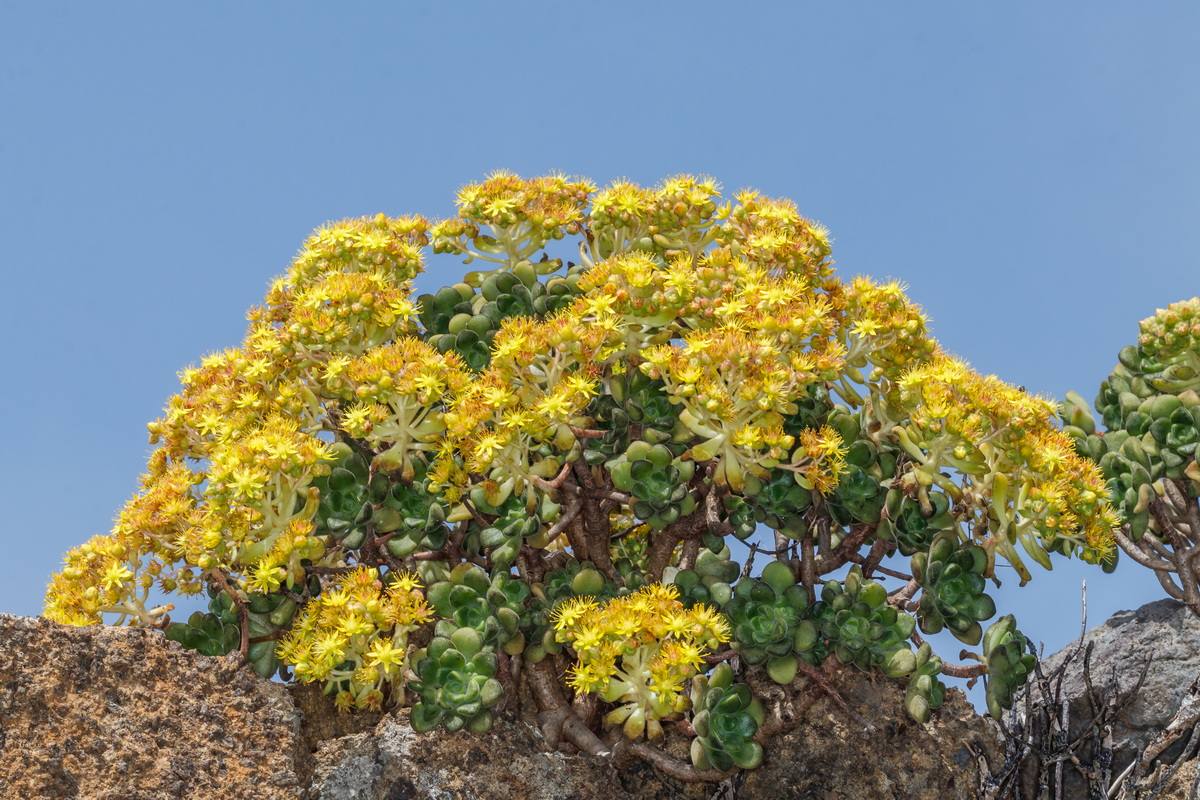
123 714
509 761
830 757
1165 631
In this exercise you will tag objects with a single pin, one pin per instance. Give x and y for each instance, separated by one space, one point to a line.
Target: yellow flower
116 576
569 612
382 654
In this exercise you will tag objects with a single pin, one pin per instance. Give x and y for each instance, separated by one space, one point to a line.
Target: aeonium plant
1149 407
542 468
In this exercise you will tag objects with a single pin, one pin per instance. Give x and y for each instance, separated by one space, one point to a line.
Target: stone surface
395 763
1164 630
123 714
828 757
831 757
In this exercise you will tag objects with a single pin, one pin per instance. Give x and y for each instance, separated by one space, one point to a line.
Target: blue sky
1028 169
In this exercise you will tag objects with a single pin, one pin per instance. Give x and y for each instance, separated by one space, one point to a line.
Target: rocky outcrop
830 756
123 713
1162 638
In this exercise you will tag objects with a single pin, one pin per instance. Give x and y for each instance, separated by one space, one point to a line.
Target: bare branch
1135 552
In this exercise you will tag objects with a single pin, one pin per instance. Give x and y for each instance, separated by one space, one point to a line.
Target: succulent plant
575 579
456 683
469 336
862 629
1130 474
514 525
219 631
1121 395
491 606
769 621
1009 662
1150 405
208 634
1175 429
354 503
636 406
630 550
925 691
739 514
953 597
780 503
725 716
688 360
657 480
860 494
913 521
346 493
708 582
422 518
462 320
812 409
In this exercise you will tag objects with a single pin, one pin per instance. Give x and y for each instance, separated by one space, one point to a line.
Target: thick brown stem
586 433
557 720
904 593
878 550
314 570
595 522
1184 550
691 550
577 536
963 671
1137 554
827 562
662 545
574 504
669 765
808 566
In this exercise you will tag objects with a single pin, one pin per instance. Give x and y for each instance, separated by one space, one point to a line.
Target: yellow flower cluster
389 246
773 235
283 562
349 313
886 330
675 218
246 418
541 378
520 217
255 484
638 650
101 575
396 392
638 291
1172 335
354 637
735 386
1021 473
820 459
